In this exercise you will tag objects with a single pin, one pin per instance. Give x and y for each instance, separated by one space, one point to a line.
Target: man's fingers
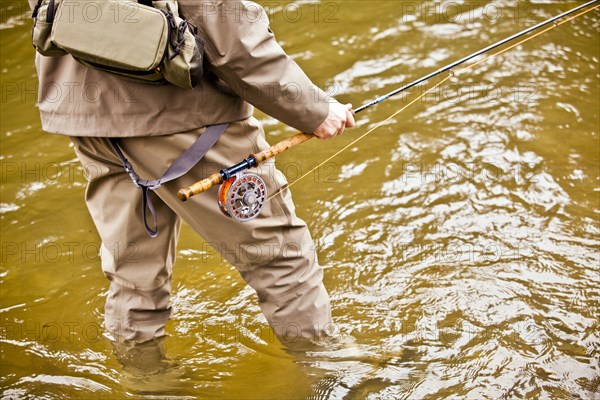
340 117
341 130
350 123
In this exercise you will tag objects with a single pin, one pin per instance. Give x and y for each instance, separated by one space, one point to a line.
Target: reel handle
218 178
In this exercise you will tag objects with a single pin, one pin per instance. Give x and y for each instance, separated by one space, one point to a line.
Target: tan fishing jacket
247 66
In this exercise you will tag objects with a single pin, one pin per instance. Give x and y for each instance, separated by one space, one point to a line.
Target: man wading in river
155 125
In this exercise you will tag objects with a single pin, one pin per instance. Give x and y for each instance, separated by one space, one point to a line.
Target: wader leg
138 267
274 253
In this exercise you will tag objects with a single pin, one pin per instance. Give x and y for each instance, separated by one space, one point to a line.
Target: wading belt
182 165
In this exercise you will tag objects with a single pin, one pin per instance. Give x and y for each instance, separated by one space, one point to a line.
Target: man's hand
340 117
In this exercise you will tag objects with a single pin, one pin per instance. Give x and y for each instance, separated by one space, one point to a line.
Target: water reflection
146 369
460 240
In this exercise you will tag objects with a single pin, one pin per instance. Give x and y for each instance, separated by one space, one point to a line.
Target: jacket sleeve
243 52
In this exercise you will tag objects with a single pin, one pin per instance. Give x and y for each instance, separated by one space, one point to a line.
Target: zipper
123 71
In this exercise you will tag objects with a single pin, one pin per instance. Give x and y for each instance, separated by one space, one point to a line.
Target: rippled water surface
460 240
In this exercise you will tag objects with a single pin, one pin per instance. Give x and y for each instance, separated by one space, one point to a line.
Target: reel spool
243 196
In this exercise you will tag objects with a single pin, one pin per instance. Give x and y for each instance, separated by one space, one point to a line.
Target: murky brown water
461 240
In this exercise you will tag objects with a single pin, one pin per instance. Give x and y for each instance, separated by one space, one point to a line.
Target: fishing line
450 75
243 194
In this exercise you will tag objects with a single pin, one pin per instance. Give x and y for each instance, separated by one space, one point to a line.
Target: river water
460 240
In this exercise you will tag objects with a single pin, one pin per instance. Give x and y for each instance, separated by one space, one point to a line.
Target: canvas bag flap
132 36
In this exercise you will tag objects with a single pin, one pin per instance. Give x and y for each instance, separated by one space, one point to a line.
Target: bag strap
181 166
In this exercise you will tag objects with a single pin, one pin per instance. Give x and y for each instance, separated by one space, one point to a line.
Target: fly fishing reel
243 196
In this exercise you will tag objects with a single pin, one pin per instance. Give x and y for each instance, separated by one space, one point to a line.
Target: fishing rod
463 60
242 195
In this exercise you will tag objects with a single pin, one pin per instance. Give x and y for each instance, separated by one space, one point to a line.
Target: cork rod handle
282 146
200 186
217 178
